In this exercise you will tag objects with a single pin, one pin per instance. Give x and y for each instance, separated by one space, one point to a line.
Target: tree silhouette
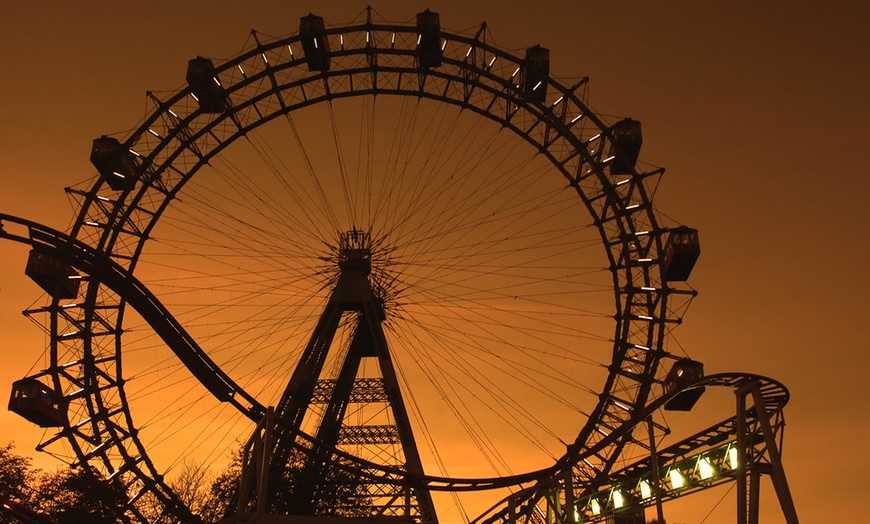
78 495
84 496
67 496
16 480
342 494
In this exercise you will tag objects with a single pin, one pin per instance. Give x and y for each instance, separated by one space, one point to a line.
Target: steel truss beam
353 293
740 448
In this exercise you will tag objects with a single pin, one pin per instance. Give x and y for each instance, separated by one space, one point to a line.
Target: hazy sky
756 109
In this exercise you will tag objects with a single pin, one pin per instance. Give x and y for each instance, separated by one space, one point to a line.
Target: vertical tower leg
654 472
313 488
754 494
780 484
570 503
748 476
742 492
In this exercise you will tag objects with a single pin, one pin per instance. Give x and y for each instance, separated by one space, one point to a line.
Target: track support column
777 473
654 471
749 475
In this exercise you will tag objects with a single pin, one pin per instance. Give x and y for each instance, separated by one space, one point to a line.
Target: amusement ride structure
407 271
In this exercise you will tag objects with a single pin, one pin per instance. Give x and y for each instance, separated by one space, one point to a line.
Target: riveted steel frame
271 80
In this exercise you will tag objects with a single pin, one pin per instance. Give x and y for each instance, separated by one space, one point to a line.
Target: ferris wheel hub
355 251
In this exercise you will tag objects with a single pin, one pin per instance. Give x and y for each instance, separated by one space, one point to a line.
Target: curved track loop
80 256
522 504
84 258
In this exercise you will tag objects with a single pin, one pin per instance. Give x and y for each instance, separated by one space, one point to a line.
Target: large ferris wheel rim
612 212
313 78
541 111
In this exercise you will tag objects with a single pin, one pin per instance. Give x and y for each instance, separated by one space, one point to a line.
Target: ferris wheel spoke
457 372
511 264
465 419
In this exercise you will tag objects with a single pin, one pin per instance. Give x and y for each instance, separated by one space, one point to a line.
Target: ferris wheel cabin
314 43
536 71
205 86
114 162
429 39
625 146
681 251
37 403
684 373
55 277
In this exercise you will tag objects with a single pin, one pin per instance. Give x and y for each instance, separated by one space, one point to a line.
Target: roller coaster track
552 497
85 258
728 450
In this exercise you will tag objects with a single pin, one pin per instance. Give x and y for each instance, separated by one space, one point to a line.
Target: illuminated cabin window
683 373
37 403
681 251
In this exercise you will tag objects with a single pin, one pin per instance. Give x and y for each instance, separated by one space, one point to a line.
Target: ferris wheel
424 256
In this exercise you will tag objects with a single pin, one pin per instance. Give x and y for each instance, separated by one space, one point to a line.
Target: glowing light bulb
705 468
596 507
677 480
618 499
732 458
645 490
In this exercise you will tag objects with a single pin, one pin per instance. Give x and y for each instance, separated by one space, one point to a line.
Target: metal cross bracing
176 139
95 438
179 136
353 293
738 449
375 58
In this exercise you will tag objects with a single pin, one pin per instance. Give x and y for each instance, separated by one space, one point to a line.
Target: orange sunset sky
758 111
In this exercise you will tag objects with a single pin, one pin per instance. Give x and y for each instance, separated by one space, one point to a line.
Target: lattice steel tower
356 407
